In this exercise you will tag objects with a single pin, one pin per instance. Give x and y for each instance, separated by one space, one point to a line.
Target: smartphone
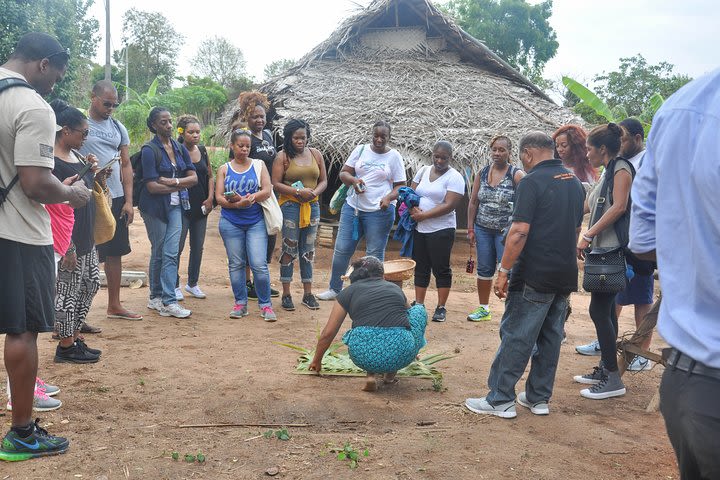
107 165
229 194
298 184
84 170
361 187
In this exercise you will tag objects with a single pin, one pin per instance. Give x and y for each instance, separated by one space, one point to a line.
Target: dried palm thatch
405 62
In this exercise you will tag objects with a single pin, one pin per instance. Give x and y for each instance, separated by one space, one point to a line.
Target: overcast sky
593 34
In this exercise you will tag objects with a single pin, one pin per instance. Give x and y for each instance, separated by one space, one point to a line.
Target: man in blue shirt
676 218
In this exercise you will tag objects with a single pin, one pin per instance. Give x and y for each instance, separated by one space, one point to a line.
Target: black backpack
6 83
136 162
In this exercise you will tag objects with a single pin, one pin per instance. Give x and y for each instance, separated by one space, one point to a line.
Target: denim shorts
489 249
638 292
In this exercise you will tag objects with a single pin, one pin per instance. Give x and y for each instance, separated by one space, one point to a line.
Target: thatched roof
406 62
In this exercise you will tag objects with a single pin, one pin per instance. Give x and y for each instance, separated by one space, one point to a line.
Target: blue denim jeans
196 226
164 244
298 242
247 245
489 249
374 226
530 317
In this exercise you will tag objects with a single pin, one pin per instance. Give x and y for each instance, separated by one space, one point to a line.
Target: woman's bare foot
390 378
370 384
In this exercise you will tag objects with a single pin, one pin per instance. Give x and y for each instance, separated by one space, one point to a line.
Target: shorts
27 296
120 244
489 250
638 292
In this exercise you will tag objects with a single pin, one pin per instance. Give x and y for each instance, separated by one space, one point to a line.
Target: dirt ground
122 415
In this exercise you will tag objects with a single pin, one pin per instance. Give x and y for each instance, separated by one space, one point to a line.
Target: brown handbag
104 219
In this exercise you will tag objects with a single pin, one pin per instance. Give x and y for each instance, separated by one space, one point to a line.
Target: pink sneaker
268 314
50 390
41 402
238 311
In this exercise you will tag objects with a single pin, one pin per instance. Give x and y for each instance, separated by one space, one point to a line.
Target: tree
277 67
202 97
636 81
153 45
219 60
516 31
64 19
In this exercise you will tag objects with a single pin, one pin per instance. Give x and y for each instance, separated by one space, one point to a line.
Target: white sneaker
155 303
640 364
174 310
328 294
538 408
179 295
483 407
195 291
592 349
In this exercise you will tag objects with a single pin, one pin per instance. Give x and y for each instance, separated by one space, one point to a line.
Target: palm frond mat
337 362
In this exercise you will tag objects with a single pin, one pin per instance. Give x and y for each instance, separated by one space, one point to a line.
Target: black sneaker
74 354
274 293
81 343
439 315
310 301
39 443
251 290
287 303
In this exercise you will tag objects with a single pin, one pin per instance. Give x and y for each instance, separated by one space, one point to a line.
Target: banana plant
134 111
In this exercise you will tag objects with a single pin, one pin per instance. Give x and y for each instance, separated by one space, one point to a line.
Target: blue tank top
242 183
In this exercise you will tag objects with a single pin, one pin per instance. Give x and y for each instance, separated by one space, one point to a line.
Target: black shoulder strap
156 152
607 188
204 154
117 127
6 83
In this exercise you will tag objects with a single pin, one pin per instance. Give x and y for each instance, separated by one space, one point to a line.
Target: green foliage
635 82
219 60
277 67
351 455
518 32
64 19
281 434
203 98
153 45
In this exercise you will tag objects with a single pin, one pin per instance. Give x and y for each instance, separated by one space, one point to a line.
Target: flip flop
85 328
126 316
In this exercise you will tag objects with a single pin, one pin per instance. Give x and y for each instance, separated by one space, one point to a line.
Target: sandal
86 328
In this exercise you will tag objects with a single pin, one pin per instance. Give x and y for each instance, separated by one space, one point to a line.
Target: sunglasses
85 132
242 131
110 105
61 52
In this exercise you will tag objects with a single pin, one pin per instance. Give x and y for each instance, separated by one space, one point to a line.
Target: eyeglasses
110 105
61 52
85 132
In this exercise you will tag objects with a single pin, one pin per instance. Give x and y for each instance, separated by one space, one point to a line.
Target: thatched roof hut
406 62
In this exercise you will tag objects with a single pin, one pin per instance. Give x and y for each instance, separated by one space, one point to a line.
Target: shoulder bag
104 220
271 207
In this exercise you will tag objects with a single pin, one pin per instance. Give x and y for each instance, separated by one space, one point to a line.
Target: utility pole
108 70
127 69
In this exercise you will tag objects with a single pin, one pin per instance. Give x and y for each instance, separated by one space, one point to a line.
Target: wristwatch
177 181
503 270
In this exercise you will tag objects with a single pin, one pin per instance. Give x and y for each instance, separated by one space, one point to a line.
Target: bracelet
503 270
587 239
71 249
177 182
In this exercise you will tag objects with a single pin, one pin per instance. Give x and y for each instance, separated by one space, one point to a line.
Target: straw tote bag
104 219
271 207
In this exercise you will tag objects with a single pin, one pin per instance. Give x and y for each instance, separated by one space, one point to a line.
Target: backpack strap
6 83
204 155
117 127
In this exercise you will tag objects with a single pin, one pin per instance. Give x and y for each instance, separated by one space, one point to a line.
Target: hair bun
59 106
614 128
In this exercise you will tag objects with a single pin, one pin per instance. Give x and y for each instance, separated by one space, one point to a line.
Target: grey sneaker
538 408
328 294
483 407
610 386
174 310
592 349
50 390
268 314
155 303
238 311
41 402
593 378
440 314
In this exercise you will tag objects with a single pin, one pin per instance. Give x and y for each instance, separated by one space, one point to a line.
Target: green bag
338 198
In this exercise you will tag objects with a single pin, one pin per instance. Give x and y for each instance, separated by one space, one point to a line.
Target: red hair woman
570 148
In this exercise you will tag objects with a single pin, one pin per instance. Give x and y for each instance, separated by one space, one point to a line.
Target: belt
678 360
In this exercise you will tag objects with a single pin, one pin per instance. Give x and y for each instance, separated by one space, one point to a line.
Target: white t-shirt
379 171
637 160
27 138
433 193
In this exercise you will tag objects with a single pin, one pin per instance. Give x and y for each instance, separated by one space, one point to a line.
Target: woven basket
395 270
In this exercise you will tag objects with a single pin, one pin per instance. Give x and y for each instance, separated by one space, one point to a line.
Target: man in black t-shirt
541 250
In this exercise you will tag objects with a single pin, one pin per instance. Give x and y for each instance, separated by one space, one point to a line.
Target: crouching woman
386 333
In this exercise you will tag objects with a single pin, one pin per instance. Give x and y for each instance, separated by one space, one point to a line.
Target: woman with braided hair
252 114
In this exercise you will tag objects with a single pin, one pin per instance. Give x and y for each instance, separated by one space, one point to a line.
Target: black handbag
605 271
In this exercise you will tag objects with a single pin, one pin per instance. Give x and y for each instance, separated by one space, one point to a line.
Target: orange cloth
304 208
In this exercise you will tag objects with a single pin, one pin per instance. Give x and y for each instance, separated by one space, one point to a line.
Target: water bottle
185 199
470 267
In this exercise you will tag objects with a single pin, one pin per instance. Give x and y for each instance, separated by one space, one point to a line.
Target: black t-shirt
199 193
374 302
550 198
84 228
262 149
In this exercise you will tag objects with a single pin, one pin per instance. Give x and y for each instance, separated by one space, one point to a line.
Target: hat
36 46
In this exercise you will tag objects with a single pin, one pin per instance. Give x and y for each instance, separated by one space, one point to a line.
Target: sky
593 34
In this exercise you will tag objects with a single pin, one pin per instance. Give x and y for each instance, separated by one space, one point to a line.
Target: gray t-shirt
104 140
607 238
374 302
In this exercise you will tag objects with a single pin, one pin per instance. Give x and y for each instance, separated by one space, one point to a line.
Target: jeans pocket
532 295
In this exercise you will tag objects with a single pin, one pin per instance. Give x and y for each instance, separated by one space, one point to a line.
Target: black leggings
431 252
602 312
